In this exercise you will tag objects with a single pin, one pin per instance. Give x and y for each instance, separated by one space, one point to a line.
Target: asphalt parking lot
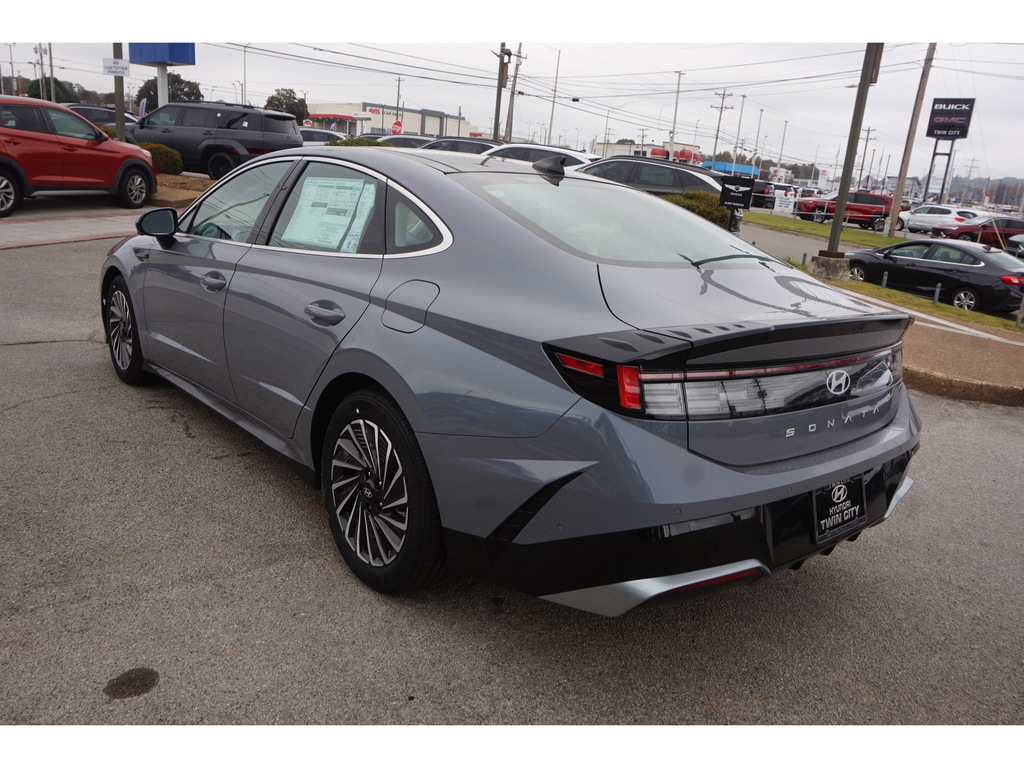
161 566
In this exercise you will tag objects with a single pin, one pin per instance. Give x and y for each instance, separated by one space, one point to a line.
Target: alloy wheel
120 326
368 488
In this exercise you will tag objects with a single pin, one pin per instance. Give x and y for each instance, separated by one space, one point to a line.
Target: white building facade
380 119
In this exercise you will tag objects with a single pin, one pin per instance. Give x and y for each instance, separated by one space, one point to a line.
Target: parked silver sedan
555 382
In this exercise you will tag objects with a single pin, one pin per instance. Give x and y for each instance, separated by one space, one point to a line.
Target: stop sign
397 127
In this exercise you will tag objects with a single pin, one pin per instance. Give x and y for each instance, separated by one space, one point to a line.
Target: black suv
214 137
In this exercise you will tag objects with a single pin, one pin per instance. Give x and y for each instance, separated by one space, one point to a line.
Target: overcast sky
793 99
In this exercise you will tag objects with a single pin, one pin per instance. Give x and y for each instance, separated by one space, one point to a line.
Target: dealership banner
950 119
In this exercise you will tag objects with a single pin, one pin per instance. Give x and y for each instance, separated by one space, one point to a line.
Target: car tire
966 299
878 224
123 334
964 236
857 272
134 190
900 226
10 193
379 499
818 217
219 165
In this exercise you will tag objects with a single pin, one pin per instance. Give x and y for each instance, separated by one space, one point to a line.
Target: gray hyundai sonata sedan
562 385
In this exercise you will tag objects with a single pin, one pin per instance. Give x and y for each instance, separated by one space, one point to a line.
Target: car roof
667 163
395 160
223 104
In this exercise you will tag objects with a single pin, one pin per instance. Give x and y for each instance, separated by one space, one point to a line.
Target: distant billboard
950 119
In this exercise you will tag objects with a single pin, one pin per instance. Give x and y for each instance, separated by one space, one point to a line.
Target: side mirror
161 223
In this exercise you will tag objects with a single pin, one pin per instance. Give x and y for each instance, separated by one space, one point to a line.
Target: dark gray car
214 137
560 384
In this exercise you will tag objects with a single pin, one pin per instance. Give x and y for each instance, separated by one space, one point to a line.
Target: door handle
325 313
213 281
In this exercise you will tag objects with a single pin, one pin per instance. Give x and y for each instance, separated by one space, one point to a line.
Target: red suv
989 229
44 147
864 208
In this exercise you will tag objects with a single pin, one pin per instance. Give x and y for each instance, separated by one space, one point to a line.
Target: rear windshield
275 124
606 222
1003 260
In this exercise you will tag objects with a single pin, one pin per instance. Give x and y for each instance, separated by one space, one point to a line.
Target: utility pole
720 109
905 164
503 57
554 95
398 103
512 94
868 75
675 112
860 175
736 147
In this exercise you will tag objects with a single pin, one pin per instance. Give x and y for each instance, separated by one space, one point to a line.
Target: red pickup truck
864 208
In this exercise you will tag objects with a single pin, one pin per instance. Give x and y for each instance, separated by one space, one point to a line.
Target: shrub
704 204
357 142
111 133
165 159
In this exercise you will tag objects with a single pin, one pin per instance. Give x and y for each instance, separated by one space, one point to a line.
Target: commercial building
373 118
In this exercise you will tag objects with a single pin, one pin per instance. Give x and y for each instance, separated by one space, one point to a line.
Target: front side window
231 211
614 171
198 118
165 116
911 251
331 208
71 125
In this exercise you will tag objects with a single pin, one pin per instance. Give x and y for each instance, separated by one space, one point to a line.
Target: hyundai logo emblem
839 494
838 382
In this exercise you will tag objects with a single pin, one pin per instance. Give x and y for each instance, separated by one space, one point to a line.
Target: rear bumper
686 523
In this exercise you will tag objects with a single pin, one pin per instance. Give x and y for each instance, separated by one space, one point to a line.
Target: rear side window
409 229
238 120
274 124
655 174
331 208
23 118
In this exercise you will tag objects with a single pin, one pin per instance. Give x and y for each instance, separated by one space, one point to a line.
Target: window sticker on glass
331 214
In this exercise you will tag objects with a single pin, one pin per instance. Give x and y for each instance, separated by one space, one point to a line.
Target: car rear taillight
1013 279
700 395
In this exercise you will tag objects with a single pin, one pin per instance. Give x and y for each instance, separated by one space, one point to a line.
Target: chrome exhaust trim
615 599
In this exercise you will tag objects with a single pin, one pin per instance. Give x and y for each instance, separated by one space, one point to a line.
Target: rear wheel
818 217
966 298
219 165
378 495
878 224
10 194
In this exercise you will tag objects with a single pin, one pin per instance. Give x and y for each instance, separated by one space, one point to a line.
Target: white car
317 137
1015 246
924 217
531 153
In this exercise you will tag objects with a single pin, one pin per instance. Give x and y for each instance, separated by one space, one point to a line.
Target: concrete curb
933 383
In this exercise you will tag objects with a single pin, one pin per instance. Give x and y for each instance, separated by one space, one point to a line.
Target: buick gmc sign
950 119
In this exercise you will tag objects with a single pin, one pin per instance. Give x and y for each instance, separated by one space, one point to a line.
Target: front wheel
133 190
900 226
858 273
123 334
964 236
378 495
965 298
